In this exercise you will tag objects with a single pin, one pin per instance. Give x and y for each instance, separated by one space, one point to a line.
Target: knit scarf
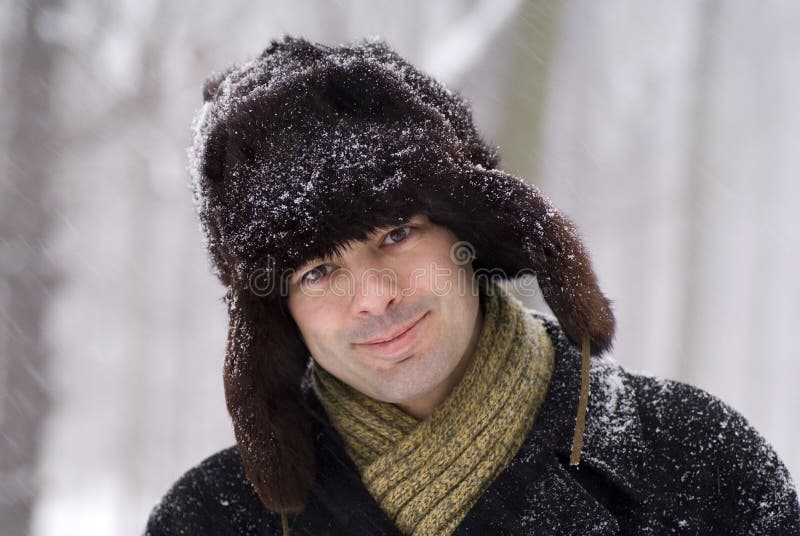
426 475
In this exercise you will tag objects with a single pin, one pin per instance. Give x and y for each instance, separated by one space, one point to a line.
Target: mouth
394 347
399 332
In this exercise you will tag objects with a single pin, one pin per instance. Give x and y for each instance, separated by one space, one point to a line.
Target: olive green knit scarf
426 475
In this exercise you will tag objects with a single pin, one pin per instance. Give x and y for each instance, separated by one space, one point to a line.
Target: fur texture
307 148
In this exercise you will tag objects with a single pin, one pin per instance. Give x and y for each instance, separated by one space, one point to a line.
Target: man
379 377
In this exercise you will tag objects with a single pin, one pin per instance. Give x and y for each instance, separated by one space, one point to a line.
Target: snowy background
668 131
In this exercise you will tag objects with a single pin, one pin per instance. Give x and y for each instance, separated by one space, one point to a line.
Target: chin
403 386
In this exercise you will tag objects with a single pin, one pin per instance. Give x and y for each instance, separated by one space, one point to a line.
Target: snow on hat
307 148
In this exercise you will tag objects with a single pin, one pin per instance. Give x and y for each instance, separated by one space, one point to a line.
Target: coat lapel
537 496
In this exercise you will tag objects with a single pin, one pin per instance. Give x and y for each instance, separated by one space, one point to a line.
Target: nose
376 290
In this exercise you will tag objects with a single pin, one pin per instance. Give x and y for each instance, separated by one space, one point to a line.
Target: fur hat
306 148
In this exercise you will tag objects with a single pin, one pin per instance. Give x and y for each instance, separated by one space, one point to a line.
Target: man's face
400 280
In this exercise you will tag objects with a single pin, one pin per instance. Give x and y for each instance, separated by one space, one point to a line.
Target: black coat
659 457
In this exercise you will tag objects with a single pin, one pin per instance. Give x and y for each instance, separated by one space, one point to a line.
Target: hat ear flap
264 366
524 232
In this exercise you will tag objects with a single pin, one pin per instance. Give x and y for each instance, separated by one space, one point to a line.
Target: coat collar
538 490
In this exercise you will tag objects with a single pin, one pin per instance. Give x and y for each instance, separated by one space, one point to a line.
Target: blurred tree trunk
530 59
26 275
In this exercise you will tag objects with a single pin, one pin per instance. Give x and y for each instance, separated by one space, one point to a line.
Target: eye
399 234
315 274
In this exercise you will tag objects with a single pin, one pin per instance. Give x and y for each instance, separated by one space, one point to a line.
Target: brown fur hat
306 148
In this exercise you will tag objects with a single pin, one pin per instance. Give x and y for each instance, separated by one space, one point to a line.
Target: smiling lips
398 332
391 347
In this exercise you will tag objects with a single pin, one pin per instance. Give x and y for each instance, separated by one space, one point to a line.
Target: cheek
427 271
445 278
315 319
